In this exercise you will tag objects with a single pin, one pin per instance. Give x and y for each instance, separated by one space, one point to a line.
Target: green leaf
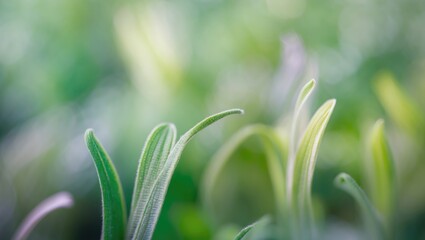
154 154
293 141
54 202
243 234
301 101
113 205
274 150
381 174
156 197
304 94
371 218
299 194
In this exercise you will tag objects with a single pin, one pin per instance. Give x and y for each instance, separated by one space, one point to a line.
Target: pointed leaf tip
154 155
148 207
261 223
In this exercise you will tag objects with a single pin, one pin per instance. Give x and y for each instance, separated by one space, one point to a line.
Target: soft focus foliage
121 67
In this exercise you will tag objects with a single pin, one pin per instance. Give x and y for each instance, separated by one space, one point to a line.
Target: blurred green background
121 67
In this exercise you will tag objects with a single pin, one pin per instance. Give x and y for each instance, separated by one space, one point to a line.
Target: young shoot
158 161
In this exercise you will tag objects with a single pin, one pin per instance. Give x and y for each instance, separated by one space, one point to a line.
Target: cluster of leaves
378 213
291 167
291 162
158 161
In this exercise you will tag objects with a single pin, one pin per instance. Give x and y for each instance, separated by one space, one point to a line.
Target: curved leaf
113 205
154 154
293 142
370 216
381 174
156 197
299 194
54 202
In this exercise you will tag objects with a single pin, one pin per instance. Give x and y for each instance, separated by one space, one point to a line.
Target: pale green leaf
54 202
299 194
371 218
304 94
154 154
381 174
113 205
294 141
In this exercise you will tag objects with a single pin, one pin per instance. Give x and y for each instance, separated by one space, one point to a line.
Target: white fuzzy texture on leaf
152 203
155 152
113 206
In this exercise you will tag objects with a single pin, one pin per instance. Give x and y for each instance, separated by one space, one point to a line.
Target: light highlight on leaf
299 195
293 142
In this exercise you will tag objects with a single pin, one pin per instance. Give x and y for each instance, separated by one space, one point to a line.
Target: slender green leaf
371 218
54 202
304 94
299 196
243 234
155 199
273 148
381 174
293 142
154 154
113 205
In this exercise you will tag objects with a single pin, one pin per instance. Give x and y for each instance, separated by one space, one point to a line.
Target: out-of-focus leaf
244 233
155 199
113 205
293 143
155 152
299 195
371 218
57 201
381 174
304 94
399 106
273 148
